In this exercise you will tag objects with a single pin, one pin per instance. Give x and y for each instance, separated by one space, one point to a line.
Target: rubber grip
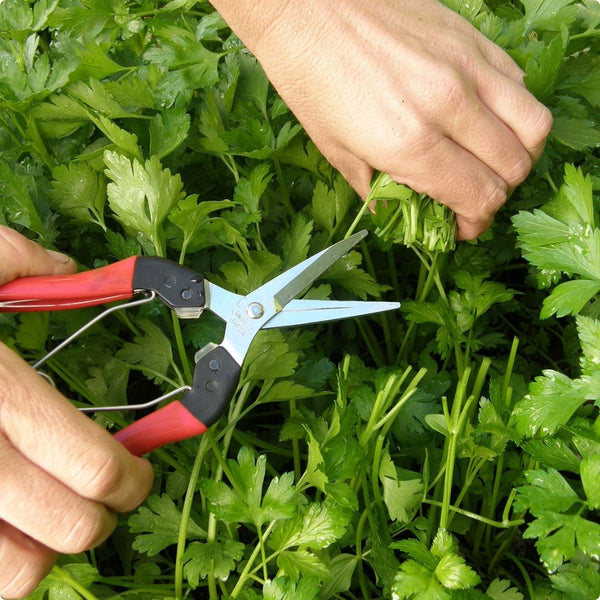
171 423
63 292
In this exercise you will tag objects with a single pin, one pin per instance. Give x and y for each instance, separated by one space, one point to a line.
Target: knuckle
23 582
88 531
519 170
544 123
101 476
24 563
451 90
493 200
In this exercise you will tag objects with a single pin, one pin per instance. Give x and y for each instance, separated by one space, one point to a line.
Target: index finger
43 426
20 257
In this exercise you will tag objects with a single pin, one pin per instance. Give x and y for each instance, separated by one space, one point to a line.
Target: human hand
63 477
405 87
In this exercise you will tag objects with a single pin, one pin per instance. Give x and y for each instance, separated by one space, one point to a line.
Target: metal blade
302 275
219 300
305 312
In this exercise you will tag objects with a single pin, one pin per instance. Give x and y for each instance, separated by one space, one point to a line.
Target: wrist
251 19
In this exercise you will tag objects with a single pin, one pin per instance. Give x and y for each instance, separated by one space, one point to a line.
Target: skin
63 477
406 87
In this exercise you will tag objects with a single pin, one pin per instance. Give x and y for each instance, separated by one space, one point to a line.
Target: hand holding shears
218 366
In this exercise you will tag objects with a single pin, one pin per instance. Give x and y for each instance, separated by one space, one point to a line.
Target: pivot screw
186 294
170 281
255 310
214 364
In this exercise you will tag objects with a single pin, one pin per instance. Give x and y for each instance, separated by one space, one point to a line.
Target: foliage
449 451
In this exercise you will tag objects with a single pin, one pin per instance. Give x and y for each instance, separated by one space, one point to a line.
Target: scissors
188 294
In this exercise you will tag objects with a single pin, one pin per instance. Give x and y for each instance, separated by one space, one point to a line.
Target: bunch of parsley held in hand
449 452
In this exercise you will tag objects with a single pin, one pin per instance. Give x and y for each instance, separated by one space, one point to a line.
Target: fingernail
59 257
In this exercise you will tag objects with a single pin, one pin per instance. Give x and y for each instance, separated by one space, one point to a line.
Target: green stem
525 574
58 574
357 219
248 567
475 516
295 444
185 515
362 580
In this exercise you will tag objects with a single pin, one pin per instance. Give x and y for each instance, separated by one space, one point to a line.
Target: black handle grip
215 380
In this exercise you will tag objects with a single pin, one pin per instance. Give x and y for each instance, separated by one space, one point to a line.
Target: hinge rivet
255 310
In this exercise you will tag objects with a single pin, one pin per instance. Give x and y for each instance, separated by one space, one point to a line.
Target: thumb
20 257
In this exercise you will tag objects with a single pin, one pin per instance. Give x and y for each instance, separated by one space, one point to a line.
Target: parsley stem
59 574
359 554
475 516
295 443
239 586
183 357
357 219
524 573
185 515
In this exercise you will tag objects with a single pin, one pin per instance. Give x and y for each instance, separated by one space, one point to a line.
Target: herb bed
449 451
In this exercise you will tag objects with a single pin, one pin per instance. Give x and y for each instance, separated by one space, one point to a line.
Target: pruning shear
218 366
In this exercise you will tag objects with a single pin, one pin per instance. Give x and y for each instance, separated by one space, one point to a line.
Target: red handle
62 292
171 423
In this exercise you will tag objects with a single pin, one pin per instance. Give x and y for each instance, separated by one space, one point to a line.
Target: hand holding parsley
63 477
407 88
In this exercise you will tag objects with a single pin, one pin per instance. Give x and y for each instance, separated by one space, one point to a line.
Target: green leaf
560 534
588 330
79 192
500 589
244 502
578 580
33 331
443 543
346 273
546 491
540 77
553 452
158 525
552 400
317 526
168 131
95 95
218 559
195 219
401 497
417 551
330 206
416 582
453 573
152 351
249 190
590 478
258 268
569 298
339 578
141 195
55 587
294 563
548 14
284 588
185 65
575 132
296 243
16 201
